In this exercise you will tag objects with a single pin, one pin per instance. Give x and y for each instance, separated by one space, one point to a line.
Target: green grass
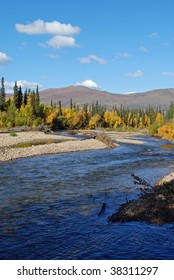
37 142
13 134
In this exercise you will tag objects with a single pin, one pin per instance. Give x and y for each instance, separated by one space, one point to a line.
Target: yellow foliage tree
166 131
77 120
51 115
159 118
94 121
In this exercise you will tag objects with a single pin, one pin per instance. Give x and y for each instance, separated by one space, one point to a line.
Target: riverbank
53 144
49 142
155 205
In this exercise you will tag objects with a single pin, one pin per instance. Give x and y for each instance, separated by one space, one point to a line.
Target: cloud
62 33
53 56
143 49
154 35
89 83
136 74
41 27
61 41
4 58
129 92
24 84
167 74
93 57
124 54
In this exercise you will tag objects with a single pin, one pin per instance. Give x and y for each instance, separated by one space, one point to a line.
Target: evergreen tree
60 108
85 109
170 111
2 95
51 104
20 97
15 95
37 101
25 97
71 104
32 101
74 106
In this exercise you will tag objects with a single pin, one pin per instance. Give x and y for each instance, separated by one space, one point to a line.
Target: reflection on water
49 205
167 146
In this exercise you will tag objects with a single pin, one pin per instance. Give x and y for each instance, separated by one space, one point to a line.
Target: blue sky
120 46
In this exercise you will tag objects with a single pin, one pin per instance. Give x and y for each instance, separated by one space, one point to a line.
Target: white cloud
167 74
62 32
154 35
89 83
129 92
136 74
4 58
24 84
53 56
93 57
41 27
143 49
124 54
61 41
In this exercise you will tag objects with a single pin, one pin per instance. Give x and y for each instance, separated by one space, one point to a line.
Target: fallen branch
102 209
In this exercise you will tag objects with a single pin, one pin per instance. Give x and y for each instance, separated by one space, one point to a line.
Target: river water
49 205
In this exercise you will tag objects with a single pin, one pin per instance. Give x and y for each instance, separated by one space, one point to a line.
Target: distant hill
81 95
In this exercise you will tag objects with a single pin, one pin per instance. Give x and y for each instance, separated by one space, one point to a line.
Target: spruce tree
25 97
2 95
71 104
60 108
37 102
20 97
15 95
170 111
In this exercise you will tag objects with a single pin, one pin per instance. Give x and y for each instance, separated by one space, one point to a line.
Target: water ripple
49 205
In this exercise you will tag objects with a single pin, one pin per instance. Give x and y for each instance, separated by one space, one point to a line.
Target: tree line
25 109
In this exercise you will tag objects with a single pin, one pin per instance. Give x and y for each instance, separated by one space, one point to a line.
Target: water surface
49 205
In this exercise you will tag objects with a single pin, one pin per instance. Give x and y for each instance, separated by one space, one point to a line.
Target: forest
25 109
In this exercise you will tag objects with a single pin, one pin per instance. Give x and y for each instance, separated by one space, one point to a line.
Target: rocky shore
66 144
155 205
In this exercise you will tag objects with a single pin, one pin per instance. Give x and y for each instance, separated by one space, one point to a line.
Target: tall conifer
37 101
2 95
15 95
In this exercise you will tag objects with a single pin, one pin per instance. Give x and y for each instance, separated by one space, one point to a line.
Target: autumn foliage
25 109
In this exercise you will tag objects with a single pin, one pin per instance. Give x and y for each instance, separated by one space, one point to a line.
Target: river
49 205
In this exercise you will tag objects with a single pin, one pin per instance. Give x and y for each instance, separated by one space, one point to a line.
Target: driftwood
140 181
105 139
102 209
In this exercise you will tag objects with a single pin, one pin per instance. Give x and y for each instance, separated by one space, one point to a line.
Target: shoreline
153 206
96 140
67 144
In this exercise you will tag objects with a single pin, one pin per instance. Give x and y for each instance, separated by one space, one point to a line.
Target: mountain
81 95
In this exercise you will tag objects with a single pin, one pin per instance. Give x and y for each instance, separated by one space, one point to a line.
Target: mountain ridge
81 95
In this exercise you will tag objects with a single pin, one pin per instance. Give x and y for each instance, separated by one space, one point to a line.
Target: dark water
49 205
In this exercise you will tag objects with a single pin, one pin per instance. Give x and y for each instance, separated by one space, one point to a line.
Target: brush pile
154 205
